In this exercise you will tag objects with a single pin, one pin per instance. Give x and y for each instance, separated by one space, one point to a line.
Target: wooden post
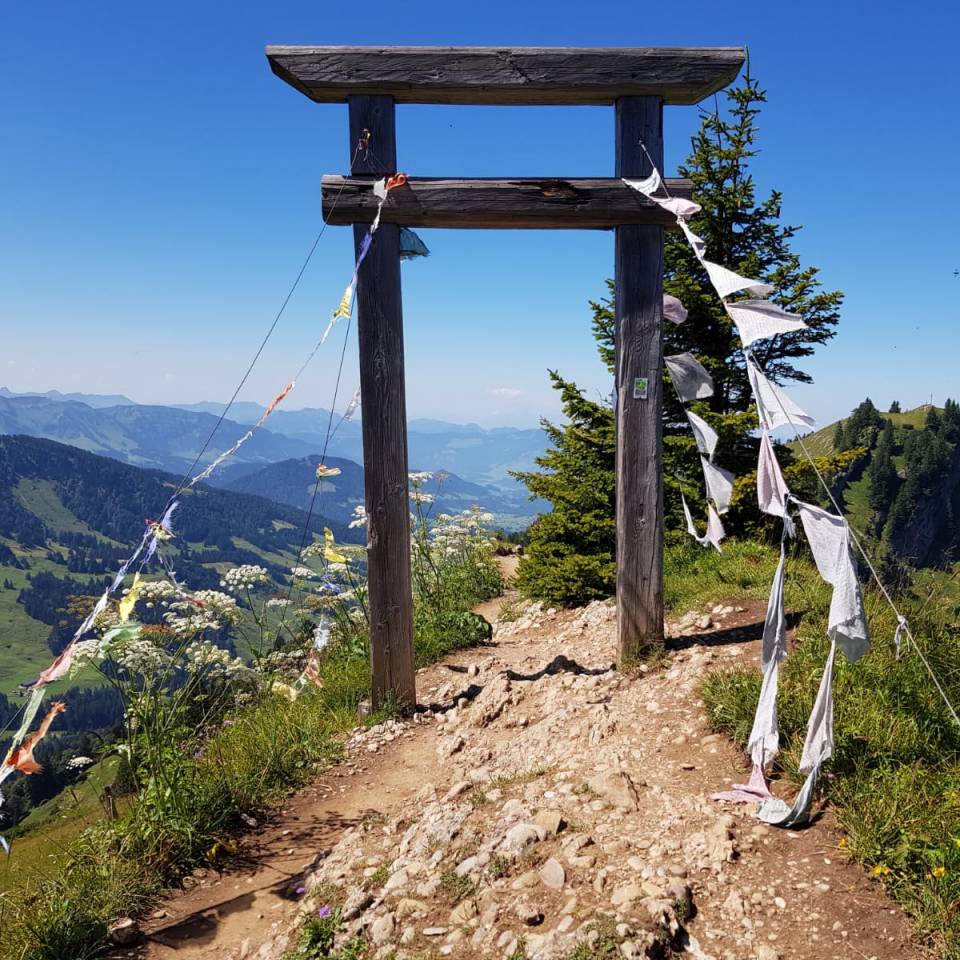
639 360
384 417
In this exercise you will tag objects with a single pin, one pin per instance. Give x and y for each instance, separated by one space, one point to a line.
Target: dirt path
545 801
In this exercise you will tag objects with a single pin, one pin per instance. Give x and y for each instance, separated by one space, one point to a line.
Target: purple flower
229 723
198 755
301 890
324 911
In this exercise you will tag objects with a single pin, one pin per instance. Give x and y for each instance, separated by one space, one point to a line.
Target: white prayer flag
726 282
673 309
829 538
689 376
775 407
719 484
764 742
819 743
715 532
647 186
699 246
704 434
756 319
772 491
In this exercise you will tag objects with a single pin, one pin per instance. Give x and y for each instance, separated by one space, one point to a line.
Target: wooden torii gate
637 82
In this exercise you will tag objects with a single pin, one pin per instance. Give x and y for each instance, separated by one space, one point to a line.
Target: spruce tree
882 475
570 555
746 235
839 438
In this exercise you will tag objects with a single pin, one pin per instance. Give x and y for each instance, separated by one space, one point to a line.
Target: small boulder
381 930
552 874
618 788
124 931
551 821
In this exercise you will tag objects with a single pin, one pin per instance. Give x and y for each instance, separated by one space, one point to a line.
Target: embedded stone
552 874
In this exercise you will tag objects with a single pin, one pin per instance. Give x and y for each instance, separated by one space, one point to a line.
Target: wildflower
843 844
245 577
938 872
302 573
157 592
881 870
78 763
418 496
278 602
421 476
359 517
325 911
301 890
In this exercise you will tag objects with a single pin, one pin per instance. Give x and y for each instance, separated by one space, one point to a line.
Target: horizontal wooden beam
498 204
507 75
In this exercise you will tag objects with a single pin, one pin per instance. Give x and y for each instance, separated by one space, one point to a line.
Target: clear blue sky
160 188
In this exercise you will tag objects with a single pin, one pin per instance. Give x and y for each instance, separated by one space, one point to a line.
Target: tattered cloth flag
756 319
719 484
775 407
724 281
715 532
411 246
689 376
772 491
817 748
829 538
678 206
703 433
126 605
21 758
673 310
764 742
330 553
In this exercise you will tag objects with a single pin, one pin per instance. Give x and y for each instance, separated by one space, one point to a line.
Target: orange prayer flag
22 757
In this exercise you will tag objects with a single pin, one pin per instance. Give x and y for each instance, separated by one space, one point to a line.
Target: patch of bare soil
544 801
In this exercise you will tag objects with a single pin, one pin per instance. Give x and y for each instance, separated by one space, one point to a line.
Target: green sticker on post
640 388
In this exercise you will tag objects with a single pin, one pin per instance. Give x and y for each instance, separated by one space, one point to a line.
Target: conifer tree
746 235
570 556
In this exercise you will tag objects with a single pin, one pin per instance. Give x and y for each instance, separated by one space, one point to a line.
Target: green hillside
820 442
70 517
902 488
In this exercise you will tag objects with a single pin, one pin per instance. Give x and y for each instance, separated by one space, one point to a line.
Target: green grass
894 781
694 577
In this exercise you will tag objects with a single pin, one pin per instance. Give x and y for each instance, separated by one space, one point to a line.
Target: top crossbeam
507 75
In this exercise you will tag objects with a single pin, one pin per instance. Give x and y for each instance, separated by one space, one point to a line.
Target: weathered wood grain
507 75
498 203
638 296
383 400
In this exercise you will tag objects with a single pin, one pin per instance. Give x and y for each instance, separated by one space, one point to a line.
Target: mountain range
170 438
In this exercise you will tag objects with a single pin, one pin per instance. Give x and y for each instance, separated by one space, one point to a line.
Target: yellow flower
881 870
938 872
956 841
843 844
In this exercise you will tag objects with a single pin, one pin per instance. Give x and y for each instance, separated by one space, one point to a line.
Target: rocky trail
544 804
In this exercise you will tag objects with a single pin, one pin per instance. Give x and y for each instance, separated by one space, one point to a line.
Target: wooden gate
637 82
